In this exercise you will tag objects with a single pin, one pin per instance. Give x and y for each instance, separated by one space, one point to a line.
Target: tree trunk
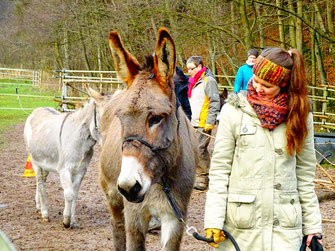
59 61
66 51
319 20
313 61
179 51
260 26
86 60
212 52
293 41
299 26
224 71
322 72
319 59
330 25
280 24
233 28
245 25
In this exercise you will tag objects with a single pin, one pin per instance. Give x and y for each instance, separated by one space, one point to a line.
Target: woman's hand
309 239
217 235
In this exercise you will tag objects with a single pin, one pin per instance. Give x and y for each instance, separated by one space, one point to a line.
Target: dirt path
24 227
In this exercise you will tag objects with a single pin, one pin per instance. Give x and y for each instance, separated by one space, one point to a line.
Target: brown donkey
147 140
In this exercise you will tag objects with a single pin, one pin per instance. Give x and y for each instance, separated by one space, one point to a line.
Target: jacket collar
201 78
239 100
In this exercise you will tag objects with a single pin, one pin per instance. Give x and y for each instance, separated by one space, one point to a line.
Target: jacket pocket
290 211
247 134
241 210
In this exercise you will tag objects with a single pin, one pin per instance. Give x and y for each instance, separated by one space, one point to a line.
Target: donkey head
147 113
97 101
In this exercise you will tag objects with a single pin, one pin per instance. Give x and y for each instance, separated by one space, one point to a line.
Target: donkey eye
154 120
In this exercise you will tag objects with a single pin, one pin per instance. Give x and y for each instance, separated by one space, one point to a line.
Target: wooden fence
71 83
323 97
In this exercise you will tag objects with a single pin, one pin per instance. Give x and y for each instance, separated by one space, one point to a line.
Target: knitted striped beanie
271 72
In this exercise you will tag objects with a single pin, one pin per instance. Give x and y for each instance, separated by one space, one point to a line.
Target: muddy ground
23 225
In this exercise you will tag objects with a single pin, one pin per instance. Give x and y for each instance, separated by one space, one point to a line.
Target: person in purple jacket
244 73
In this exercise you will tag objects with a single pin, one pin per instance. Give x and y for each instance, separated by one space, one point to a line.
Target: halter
167 190
94 117
157 150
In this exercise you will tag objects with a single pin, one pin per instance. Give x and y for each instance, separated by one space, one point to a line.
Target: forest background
73 34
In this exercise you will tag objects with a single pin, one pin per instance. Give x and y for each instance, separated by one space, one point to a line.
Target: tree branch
199 20
323 34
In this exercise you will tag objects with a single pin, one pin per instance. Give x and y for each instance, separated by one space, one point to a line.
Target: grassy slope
12 117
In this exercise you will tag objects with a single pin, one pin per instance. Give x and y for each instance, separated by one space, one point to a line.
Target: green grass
9 118
327 165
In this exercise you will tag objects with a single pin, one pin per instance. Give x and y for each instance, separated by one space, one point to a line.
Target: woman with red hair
262 170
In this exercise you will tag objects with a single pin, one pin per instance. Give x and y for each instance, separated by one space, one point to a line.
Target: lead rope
190 230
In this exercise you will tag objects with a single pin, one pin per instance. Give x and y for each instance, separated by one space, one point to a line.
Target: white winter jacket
257 192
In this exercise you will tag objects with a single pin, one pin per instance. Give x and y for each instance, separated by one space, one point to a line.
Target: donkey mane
82 115
148 64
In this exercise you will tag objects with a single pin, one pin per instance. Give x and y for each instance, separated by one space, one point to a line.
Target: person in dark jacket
180 81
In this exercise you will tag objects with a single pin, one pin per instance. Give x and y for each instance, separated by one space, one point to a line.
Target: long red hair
298 104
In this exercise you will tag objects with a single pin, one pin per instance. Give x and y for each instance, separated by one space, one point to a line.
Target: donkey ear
99 99
126 65
164 61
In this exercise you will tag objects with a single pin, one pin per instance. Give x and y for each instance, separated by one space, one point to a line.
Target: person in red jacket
203 94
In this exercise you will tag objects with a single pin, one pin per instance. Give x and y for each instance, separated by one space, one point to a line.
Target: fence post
35 78
64 90
40 77
324 104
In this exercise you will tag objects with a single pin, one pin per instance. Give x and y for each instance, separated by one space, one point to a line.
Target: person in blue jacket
244 73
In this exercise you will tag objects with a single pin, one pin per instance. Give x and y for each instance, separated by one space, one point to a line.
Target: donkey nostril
136 189
122 191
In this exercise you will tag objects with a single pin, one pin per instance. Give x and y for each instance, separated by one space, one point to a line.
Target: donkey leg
40 196
66 181
77 179
115 205
37 197
137 225
172 233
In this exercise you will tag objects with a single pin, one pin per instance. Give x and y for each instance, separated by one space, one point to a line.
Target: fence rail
19 75
321 96
71 82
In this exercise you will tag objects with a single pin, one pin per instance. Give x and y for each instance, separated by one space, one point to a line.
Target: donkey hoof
46 219
74 225
66 225
67 221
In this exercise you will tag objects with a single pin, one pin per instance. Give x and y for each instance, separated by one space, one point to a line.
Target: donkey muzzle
132 193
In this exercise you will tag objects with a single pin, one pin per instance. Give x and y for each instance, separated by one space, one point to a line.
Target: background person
244 73
180 81
261 186
203 94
